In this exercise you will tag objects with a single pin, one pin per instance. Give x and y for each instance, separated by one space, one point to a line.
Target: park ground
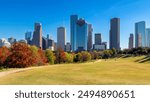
122 71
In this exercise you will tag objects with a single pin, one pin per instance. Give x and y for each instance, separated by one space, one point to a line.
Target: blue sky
19 16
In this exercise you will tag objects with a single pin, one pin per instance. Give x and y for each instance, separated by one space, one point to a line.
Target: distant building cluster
81 37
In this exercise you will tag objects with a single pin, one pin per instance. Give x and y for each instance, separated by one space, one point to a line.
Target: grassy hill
119 72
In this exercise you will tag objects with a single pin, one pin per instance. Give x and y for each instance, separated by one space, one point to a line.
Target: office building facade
90 34
37 35
148 37
131 41
140 38
61 37
115 33
98 38
81 35
73 22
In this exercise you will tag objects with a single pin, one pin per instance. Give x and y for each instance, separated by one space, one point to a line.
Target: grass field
124 71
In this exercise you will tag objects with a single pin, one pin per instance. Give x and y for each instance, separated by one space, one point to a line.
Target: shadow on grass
143 60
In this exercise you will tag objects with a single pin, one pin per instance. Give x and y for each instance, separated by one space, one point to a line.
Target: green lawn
123 71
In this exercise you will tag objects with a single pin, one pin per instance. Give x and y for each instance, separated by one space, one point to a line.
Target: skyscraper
81 35
148 37
115 33
131 41
28 36
98 39
11 40
37 35
73 21
68 47
90 33
44 43
140 34
61 37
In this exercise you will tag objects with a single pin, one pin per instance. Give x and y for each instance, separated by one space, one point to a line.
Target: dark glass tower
115 33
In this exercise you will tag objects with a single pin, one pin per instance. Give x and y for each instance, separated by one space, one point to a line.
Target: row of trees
21 55
136 51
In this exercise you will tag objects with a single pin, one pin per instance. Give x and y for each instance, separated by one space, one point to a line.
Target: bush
20 57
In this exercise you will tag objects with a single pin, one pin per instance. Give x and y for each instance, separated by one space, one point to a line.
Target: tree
85 56
69 57
106 54
60 56
4 53
50 56
42 58
20 57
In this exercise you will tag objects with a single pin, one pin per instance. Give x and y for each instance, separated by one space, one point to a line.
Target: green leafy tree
50 56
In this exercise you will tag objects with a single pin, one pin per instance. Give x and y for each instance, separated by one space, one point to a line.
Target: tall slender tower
61 37
115 33
148 37
140 38
81 35
131 41
37 35
90 34
73 24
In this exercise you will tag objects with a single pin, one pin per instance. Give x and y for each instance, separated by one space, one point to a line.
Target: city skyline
99 16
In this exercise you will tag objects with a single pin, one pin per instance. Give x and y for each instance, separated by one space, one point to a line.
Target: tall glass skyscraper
148 37
115 33
140 38
73 22
81 35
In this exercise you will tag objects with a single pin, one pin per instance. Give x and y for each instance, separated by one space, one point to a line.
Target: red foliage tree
4 53
20 57
42 58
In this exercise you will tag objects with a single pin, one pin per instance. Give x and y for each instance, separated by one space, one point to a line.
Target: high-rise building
37 35
140 34
131 41
73 22
44 43
98 38
81 35
68 47
148 37
61 37
115 33
90 33
28 37
50 44
11 40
